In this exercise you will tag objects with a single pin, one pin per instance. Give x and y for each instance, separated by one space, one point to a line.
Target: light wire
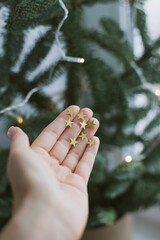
64 57
26 100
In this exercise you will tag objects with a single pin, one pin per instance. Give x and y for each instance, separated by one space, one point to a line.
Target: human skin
49 180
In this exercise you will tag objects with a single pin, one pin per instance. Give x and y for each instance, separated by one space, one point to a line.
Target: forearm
34 221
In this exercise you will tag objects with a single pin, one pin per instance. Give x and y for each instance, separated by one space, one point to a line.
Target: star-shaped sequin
83 125
91 142
81 116
83 136
73 141
68 123
91 124
70 112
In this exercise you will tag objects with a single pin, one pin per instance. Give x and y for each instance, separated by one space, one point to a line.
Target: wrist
35 213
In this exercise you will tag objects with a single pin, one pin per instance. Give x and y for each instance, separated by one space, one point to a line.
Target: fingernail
11 132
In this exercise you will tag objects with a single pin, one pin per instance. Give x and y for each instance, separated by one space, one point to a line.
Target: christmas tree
111 94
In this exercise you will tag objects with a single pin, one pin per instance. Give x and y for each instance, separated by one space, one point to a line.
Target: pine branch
38 99
112 44
141 24
91 2
38 53
52 74
149 52
28 13
4 72
7 97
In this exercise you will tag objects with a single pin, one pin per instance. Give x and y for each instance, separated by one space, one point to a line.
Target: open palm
58 170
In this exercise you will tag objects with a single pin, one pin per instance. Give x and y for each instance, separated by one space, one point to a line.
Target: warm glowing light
128 159
157 92
19 120
81 60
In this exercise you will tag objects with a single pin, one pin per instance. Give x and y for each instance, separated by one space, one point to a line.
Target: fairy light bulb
128 159
19 119
64 57
57 33
81 60
157 92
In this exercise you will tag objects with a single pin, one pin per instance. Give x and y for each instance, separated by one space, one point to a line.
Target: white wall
152 8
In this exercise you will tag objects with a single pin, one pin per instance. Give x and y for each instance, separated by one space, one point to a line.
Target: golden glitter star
81 116
68 123
91 124
83 125
70 112
73 141
83 136
91 142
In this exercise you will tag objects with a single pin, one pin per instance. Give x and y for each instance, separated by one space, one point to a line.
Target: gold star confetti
83 136
81 116
91 142
73 141
68 123
70 112
83 125
91 124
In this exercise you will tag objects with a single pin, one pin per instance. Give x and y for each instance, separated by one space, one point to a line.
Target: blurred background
147 224
119 81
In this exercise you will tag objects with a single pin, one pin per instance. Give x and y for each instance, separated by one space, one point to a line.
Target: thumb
19 140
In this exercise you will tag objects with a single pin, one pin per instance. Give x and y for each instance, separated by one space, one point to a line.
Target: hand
52 172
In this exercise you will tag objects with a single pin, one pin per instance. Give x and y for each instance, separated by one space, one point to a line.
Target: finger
61 148
76 153
19 140
19 144
85 165
48 137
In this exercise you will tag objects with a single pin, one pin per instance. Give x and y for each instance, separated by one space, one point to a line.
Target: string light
64 57
157 92
128 159
20 104
19 119
81 60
